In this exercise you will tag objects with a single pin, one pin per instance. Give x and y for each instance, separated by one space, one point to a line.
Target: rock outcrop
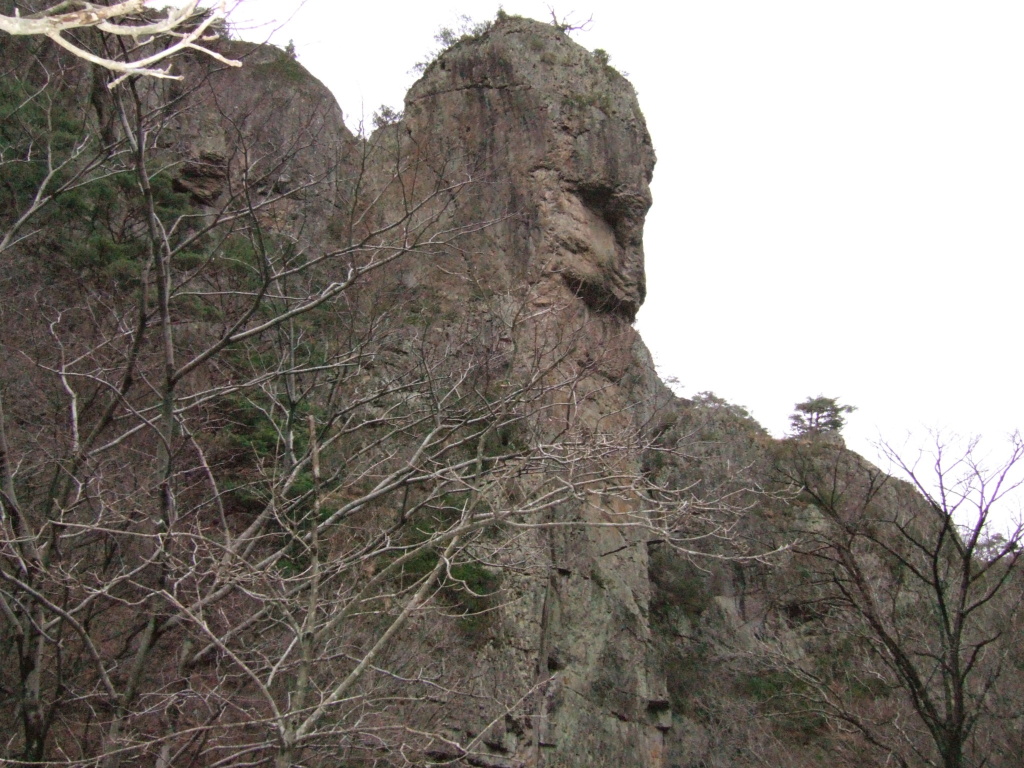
558 141
479 261
497 564
552 147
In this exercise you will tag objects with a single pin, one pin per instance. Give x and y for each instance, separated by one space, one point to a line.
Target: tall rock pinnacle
561 133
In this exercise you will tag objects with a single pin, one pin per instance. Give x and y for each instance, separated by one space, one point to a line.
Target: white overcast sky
838 194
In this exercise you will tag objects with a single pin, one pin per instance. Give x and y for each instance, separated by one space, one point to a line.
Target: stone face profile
560 145
563 132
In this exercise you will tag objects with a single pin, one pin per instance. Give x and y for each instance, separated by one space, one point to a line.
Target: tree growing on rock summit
816 415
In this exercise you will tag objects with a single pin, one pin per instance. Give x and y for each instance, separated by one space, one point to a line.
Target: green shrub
678 585
764 686
449 37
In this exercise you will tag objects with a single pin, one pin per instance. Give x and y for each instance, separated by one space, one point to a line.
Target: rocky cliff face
449 304
559 142
332 448
553 145
565 134
615 642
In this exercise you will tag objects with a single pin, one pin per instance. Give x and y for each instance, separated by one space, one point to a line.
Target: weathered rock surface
492 233
560 143
559 160
268 119
563 133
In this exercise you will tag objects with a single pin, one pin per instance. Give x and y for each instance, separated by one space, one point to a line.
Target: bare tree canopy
154 37
907 616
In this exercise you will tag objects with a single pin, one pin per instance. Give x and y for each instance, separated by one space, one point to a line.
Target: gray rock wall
560 144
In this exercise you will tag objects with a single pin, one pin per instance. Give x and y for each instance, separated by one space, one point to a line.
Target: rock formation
483 251
558 138
324 449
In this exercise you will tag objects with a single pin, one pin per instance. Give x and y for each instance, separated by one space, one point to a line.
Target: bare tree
904 625
151 38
